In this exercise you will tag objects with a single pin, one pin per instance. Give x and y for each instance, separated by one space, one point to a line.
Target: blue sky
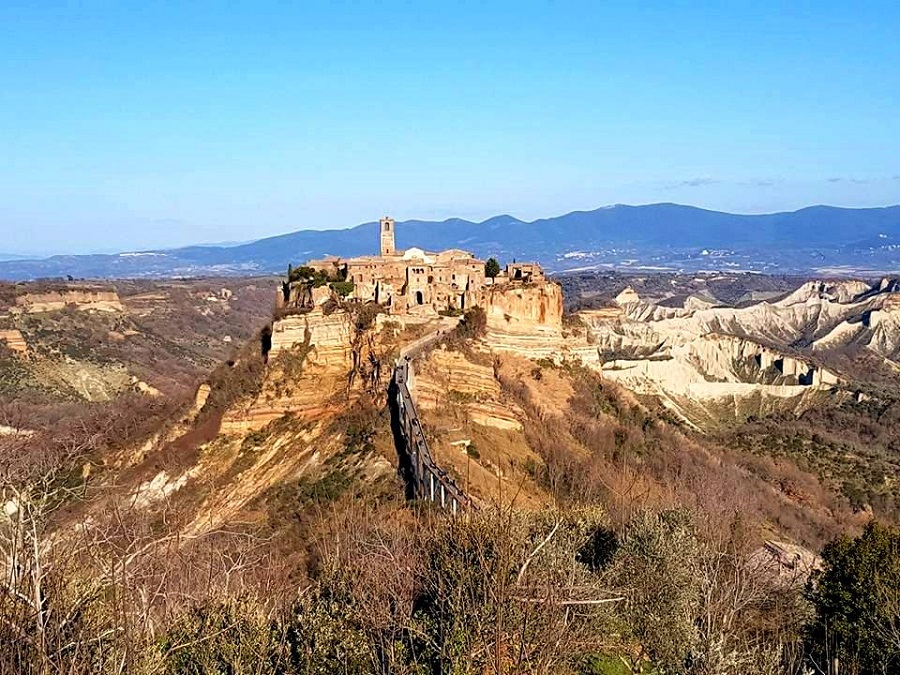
140 124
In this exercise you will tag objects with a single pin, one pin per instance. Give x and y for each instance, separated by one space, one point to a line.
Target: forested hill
669 236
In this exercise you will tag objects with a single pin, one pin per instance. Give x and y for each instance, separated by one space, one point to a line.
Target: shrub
221 638
658 561
305 273
856 598
364 315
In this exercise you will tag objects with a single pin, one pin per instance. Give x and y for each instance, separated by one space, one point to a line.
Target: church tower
387 236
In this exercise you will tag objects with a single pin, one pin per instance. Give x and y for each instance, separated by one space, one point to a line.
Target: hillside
654 237
68 348
268 510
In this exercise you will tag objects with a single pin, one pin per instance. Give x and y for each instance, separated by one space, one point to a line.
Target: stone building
388 247
415 281
525 272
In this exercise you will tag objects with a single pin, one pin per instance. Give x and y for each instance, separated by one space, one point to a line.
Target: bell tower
387 236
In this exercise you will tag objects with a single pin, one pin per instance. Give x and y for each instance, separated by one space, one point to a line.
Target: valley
757 403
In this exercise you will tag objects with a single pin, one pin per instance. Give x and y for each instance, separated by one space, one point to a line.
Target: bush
658 561
222 638
364 315
305 273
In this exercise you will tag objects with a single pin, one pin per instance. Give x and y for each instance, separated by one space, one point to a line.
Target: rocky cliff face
317 363
525 309
819 315
651 352
842 291
14 340
524 319
308 364
285 424
327 336
83 299
785 352
449 378
475 429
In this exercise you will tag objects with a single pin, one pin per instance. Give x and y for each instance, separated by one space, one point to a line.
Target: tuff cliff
716 364
304 403
525 319
82 299
449 378
524 309
14 340
317 363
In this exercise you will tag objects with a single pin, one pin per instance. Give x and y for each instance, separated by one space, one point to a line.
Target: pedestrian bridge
424 478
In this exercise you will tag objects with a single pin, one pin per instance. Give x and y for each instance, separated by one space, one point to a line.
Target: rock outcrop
706 361
309 362
449 378
200 398
524 309
525 319
842 291
14 340
90 381
82 299
317 363
328 336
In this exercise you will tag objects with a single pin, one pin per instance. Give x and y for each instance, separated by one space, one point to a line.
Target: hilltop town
413 281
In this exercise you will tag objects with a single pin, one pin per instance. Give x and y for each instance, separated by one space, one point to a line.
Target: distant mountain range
818 239
13 256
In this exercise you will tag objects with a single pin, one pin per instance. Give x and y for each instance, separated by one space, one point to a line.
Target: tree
342 288
856 599
302 273
491 268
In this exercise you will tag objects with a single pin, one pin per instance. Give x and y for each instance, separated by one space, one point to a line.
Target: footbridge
424 478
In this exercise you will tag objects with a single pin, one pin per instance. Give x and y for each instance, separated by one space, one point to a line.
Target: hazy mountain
655 235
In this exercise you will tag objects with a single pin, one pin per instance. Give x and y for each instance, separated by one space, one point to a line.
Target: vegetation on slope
644 558
854 449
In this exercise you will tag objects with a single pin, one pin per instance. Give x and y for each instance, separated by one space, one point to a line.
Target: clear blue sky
137 124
